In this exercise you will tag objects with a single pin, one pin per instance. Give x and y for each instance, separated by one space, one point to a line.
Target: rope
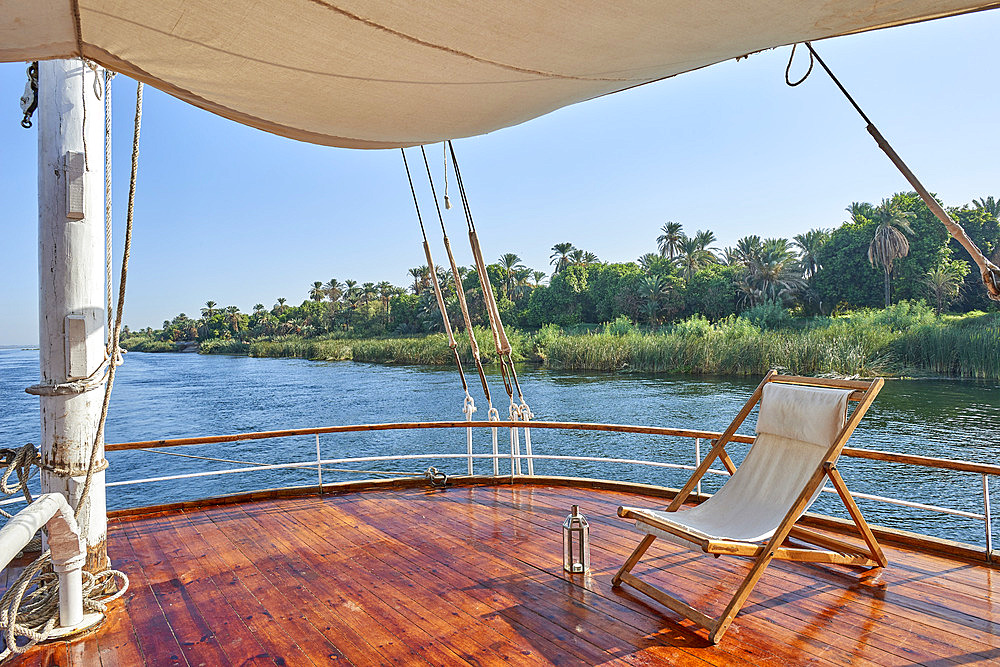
108 303
788 68
447 200
35 614
989 271
518 412
18 461
459 288
434 279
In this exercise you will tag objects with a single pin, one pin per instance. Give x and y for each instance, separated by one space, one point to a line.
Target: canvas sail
381 74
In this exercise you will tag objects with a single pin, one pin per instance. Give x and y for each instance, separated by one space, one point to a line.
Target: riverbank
902 341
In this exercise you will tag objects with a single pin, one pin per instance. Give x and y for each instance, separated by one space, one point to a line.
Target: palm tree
317 293
748 249
729 256
334 290
809 245
416 273
774 274
943 283
510 264
692 257
989 205
890 242
653 288
861 211
257 308
385 292
705 239
538 276
669 242
209 309
368 293
589 258
576 257
560 256
647 261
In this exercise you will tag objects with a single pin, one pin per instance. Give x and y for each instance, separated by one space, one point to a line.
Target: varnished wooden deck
473 575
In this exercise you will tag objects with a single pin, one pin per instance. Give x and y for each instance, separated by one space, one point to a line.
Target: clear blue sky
232 214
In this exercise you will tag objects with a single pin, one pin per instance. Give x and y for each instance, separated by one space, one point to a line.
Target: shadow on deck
473 575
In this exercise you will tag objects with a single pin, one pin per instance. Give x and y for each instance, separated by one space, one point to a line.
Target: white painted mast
71 280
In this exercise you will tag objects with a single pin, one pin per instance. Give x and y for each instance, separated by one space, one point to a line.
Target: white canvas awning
389 73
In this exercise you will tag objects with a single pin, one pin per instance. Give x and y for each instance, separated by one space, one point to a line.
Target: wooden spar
71 306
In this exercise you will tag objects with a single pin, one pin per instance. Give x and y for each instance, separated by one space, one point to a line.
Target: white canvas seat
801 430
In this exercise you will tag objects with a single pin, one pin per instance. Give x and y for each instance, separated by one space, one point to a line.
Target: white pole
71 287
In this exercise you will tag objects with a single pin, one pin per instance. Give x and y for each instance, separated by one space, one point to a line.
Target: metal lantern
576 542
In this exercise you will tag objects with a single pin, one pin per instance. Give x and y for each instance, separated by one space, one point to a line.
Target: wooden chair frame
830 549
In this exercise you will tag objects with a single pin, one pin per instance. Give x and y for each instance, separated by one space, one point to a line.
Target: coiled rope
33 615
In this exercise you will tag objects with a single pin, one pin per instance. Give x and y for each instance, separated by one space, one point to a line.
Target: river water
176 395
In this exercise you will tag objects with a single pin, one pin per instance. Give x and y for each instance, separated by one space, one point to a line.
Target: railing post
697 459
319 465
468 408
527 450
986 517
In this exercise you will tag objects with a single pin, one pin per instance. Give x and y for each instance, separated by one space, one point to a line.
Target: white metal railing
514 458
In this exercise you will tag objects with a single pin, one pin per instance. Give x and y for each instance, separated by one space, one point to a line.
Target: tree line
882 253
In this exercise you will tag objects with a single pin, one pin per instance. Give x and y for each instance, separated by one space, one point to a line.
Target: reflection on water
176 395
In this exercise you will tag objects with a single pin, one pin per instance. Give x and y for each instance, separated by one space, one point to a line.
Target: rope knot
493 414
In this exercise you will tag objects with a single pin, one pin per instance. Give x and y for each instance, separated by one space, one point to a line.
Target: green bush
768 315
223 346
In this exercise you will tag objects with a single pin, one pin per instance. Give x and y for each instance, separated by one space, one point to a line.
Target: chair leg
632 560
859 520
723 622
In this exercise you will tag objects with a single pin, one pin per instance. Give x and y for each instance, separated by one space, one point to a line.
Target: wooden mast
71 286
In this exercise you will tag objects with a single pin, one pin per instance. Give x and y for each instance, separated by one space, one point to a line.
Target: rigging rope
519 412
459 288
434 279
35 614
989 271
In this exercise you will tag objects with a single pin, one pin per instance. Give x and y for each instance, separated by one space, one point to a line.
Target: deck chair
802 426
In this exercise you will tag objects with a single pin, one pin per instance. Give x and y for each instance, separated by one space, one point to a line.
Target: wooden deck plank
403 558
266 609
360 638
974 616
197 635
523 544
251 620
841 582
908 657
472 575
458 611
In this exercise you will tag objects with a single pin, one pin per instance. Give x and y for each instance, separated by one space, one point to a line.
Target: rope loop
18 461
788 68
493 414
469 405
